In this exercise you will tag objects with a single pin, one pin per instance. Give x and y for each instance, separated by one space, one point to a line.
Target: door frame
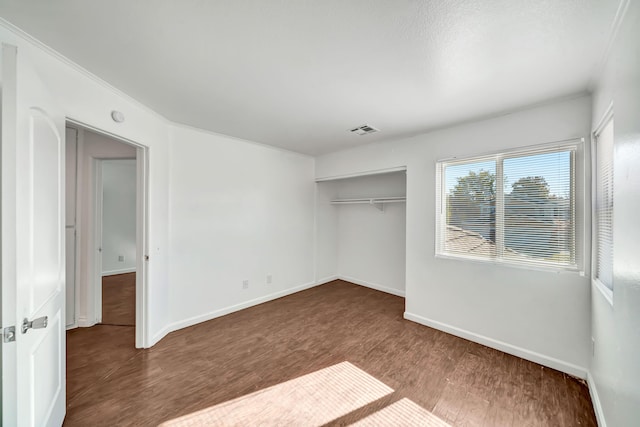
76 216
8 110
142 234
96 274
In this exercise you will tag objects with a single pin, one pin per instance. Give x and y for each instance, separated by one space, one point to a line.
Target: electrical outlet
120 258
269 279
245 284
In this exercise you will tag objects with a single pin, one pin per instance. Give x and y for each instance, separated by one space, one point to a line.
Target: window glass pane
470 209
538 208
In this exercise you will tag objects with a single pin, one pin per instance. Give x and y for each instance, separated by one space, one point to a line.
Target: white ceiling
298 74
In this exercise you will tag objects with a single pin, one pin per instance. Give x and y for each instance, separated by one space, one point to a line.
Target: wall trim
375 286
363 173
158 336
623 6
33 41
231 309
595 399
180 324
83 322
551 362
326 279
122 271
185 126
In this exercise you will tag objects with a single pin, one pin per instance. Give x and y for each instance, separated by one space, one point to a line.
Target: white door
33 252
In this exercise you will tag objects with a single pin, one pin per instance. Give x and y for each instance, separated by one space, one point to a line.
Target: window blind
538 208
515 207
470 215
604 206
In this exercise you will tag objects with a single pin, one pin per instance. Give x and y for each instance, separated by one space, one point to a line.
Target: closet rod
398 199
377 202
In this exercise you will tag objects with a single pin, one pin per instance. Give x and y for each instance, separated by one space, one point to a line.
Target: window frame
607 117
576 146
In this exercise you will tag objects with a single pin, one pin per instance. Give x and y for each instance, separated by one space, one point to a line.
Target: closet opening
361 229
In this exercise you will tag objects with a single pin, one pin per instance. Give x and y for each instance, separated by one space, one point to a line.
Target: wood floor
111 383
119 299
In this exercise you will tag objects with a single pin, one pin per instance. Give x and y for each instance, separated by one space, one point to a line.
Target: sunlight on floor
313 400
402 413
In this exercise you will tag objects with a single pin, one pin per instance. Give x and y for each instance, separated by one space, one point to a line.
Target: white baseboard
326 280
237 307
115 272
551 362
375 286
158 336
83 322
595 399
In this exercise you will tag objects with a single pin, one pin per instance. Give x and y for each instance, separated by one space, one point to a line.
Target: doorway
105 229
116 232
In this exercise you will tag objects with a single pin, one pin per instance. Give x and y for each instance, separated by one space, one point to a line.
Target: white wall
326 232
540 315
91 146
118 216
369 244
239 211
615 364
88 100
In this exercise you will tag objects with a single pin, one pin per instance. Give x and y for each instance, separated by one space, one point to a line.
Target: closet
361 230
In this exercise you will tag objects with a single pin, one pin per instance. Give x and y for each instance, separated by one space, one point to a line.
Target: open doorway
105 230
116 232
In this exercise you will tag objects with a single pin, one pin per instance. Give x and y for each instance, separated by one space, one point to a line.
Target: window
515 207
603 214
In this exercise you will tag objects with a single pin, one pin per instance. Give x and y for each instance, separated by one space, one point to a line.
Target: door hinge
9 334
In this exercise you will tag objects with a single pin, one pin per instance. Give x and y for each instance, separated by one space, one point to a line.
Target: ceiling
298 74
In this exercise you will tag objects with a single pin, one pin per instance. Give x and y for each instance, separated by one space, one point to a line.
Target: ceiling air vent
364 129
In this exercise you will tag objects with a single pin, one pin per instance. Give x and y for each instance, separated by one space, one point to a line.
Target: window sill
549 269
606 292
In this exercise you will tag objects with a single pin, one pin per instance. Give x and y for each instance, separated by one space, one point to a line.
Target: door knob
39 323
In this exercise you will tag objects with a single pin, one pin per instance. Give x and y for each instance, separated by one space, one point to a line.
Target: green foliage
470 198
531 186
476 187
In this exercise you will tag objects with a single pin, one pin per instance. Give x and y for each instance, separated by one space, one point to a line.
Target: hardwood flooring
119 299
109 382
